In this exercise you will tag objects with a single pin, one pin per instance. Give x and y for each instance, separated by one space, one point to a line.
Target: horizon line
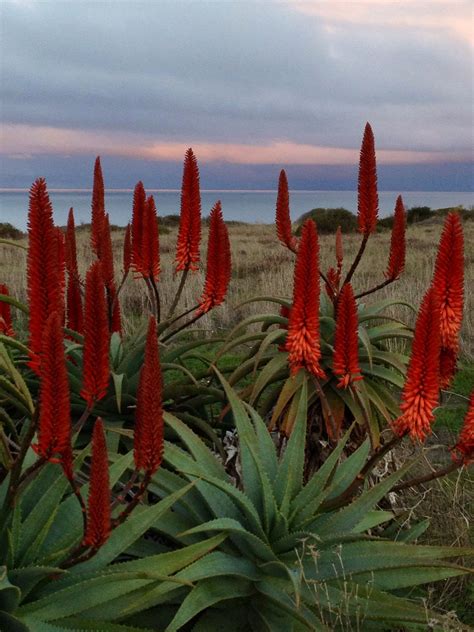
166 190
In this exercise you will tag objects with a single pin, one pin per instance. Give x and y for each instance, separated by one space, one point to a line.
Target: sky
252 86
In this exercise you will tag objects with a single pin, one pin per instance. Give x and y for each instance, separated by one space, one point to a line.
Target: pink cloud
30 140
452 18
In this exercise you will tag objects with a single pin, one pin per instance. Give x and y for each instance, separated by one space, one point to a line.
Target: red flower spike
421 391
6 327
98 510
127 249
54 422
303 344
151 242
447 366
71 250
95 370
218 265
339 250
106 258
189 235
98 206
333 278
448 280
346 341
75 317
465 445
368 200
138 219
45 291
148 433
282 215
105 253
396 260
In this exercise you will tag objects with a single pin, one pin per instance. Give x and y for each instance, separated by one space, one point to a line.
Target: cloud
446 19
50 140
236 78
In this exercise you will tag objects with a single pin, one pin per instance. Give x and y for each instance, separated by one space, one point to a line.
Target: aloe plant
372 403
295 556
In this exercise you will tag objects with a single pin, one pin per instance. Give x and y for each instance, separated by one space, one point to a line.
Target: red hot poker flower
303 343
218 266
54 422
151 244
71 249
45 291
448 280
189 235
346 342
421 391
105 253
368 201
447 366
148 433
465 445
333 278
138 219
98 206
282 215
95 371
396 261
6 326
98 511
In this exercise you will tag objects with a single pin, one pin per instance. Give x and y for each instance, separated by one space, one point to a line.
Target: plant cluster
121 509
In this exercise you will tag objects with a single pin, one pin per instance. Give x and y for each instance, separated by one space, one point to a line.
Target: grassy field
262 266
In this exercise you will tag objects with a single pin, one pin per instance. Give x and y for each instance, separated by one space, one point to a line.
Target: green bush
8 231
328 219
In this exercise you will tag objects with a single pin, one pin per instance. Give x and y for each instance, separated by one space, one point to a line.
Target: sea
237 205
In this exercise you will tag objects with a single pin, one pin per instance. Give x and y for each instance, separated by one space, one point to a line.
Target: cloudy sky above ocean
249 85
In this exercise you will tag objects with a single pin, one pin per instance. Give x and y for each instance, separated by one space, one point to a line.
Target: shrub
328 219
8 231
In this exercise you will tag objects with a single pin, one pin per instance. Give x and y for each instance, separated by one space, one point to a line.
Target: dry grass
261 266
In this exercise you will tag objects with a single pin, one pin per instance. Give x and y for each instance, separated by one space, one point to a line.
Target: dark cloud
234 72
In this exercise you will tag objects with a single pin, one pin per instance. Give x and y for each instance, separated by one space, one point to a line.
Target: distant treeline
328 219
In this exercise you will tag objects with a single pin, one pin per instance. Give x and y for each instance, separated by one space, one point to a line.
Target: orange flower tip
54 421
99 509
189 233
448 280
282 214
346 339
95 369
367 185
303 339
396 262
218 264
149 426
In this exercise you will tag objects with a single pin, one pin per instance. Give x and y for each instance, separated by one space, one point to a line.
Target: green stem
183 326
16 470
376 288
157 299
356 260
413 482
178 294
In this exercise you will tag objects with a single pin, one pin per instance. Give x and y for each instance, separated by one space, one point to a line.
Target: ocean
245 206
